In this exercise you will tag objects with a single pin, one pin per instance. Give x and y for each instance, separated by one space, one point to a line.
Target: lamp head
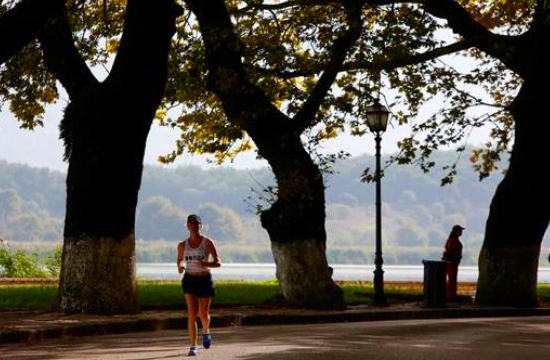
377 117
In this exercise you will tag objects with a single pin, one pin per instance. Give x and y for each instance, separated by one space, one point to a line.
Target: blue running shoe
206 340
193 351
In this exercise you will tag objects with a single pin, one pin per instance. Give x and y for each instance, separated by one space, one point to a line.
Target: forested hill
417 211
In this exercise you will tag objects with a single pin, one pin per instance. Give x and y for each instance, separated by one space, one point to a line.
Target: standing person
452 255
196 255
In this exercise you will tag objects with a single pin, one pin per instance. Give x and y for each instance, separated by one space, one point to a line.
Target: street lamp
377 120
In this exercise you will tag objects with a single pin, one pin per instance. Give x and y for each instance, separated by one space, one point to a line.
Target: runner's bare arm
213 254
181 254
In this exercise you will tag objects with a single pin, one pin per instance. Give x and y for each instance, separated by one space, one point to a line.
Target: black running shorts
198 285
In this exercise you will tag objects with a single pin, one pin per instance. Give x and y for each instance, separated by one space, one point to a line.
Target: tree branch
244 103
262 6
145 48
459 20
306 116
63 59
22 23
465 44
504 48
387 64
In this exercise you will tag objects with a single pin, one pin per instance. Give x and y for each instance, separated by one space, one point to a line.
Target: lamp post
377 121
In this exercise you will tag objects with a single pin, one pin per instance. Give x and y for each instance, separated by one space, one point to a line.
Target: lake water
235 271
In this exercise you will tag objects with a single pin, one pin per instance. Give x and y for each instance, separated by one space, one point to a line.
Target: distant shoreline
393 274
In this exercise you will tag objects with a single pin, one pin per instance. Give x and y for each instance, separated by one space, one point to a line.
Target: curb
116 326
428 314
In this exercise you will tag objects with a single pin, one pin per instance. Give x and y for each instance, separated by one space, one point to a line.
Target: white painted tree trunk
315 289
508 276
91 268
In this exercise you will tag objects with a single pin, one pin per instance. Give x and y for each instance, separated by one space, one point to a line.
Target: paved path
33 326
436 339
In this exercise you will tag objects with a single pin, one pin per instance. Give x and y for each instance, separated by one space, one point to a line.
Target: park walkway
33 326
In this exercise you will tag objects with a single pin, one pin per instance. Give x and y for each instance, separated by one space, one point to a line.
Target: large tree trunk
105 129
296 221
520 210
108 140
296 226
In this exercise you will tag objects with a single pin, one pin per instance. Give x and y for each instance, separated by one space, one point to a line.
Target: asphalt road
442 339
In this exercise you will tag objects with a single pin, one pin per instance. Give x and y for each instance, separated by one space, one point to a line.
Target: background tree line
418 212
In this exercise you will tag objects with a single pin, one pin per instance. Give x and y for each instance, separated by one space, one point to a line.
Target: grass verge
168 294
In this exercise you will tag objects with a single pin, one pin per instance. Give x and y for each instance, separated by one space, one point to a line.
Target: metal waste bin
435 276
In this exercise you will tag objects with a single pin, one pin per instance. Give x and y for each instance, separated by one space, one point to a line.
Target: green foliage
53 261
10 203
360 293
286 47
155 251
152 294
222 224
21 263
160 294
544 295
417 213
169 295
38 297
246 293
32 203
159 218
26 85
18 263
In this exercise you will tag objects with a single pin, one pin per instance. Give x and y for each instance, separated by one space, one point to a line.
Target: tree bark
296 225
520 210
104 175
296 221
105 129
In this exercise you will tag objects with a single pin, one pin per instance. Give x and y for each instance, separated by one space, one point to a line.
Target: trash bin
435 276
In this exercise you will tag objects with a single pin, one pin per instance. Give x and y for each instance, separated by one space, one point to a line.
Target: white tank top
193 255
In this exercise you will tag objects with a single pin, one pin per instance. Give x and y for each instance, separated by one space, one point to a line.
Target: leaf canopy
403 55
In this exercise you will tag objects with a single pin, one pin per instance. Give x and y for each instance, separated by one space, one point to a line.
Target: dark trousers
452 274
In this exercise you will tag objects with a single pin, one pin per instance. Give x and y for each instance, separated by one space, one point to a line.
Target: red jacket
453 250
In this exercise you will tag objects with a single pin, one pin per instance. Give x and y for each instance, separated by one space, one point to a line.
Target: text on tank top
193 255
